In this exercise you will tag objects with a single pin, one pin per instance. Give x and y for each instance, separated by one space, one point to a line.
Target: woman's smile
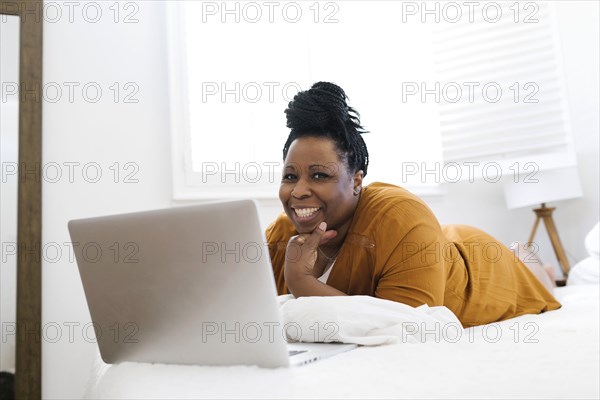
306 215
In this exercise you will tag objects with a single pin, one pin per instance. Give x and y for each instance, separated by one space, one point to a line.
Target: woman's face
317 186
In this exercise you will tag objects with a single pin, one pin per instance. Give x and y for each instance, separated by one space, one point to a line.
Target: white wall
108 132
580 38
105 132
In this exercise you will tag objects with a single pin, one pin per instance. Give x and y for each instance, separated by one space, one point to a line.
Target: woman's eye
320 175
288 177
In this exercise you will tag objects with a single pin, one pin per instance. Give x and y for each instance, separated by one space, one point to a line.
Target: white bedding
551 355
365 320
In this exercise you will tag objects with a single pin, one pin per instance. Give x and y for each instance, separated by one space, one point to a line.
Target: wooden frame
28 374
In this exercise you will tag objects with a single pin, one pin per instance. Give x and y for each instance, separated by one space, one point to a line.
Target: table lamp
541 188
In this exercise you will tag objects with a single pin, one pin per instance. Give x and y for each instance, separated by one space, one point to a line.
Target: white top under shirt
328 269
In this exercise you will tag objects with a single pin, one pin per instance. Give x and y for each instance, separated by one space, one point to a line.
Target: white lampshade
552 185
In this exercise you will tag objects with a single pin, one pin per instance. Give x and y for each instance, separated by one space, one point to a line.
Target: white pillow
588 269
592 241
585 271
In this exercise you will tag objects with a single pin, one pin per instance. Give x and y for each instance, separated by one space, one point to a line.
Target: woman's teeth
305 212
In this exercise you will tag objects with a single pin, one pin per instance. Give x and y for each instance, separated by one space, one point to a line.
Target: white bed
551 355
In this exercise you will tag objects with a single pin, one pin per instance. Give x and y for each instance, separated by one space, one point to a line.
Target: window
236 65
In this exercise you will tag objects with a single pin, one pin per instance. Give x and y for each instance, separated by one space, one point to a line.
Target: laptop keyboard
294 352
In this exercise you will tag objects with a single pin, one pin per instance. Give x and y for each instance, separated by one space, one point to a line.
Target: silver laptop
186 285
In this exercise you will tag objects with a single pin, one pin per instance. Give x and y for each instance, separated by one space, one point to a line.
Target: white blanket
364 320
551 355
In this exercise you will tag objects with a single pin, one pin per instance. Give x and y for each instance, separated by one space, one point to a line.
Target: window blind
501 90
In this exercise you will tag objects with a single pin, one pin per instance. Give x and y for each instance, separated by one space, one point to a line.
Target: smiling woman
340 238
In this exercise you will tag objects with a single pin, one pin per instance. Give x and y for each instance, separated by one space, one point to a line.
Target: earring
356 191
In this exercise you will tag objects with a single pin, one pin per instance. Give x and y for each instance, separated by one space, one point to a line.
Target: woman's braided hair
322 111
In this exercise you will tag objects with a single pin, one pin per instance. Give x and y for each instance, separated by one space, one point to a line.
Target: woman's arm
412 254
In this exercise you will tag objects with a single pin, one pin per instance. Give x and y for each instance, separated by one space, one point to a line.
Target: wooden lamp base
545 213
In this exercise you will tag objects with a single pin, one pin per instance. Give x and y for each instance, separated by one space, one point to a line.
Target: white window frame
187 184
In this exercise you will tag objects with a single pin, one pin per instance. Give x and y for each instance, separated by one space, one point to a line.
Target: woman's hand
300 257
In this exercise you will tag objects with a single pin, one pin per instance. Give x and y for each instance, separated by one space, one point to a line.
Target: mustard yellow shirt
396 249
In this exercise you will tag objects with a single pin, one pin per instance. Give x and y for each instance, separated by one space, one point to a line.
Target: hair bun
318 108
322 111
330 89
332 98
